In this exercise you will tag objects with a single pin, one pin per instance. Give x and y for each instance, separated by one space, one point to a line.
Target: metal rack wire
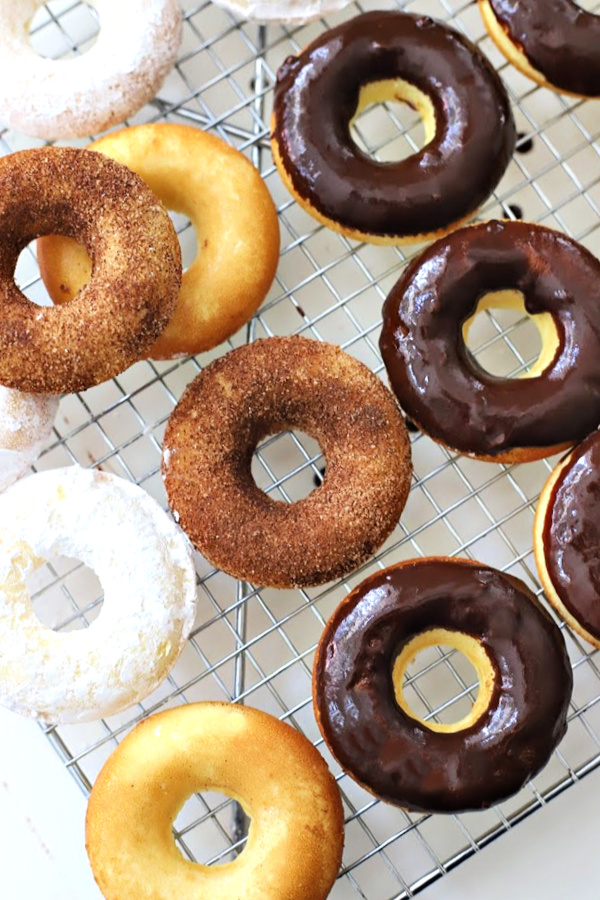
255 646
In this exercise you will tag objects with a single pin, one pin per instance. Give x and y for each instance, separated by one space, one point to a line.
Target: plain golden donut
267 387
137 269
221 192
295 840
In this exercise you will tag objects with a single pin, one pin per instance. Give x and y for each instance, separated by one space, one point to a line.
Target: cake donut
294 12
555 43
567 539
264 388
26 422
136 48
144 565
137 269
296 832
469 129
518 718
197 174
438 382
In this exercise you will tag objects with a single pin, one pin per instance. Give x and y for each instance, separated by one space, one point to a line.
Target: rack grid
253 645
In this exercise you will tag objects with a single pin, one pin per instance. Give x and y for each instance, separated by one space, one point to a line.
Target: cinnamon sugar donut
228 203
296 835
268 387
137 269
136 47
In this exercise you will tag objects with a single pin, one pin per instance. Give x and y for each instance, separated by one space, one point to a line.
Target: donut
293 12
296 833
144 565
556 44
137 269
197 174
263 388
51 99
519 716
469 129
567 539
439 384
26 422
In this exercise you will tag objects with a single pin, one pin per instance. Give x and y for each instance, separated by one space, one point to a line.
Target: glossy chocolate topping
559 38
437 380
397 757
317 95
572 535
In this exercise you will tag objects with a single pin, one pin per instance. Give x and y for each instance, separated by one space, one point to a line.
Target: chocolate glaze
572 535
317 95
559 38
437 380
396 757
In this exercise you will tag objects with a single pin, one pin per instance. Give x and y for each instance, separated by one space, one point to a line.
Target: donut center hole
65 594
288 466
188 238
28 279
393 120
504 340
443 679
61 29
211 828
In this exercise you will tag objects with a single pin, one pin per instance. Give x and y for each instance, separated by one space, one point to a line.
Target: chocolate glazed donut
567 539
470 133
515 646
437 380
556 43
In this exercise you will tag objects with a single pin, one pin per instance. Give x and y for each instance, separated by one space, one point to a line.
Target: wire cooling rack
256 646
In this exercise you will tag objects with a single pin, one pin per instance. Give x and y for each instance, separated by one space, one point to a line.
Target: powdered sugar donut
296 11
144 565
25 425
136 47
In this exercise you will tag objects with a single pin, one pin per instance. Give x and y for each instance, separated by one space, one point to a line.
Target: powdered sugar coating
25 426
296 11
136 47
144 564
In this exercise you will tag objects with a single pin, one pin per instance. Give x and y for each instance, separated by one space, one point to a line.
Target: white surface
552 855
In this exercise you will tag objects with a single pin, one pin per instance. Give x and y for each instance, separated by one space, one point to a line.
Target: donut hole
61 29
66 595
188 238
212 828
288 466
444 679
27 276
393 120
504 340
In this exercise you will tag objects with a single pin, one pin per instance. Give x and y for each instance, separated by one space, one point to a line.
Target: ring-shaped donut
137 269
556 44
137 46
567 539
145 569
26 422
378 56
267 387
520 714
228 203
296 835
437 380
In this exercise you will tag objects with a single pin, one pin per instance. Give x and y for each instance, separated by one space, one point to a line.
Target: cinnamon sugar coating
267 387
136 260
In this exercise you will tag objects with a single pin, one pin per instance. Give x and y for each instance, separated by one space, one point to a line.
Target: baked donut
261 389
144 564
136 47
469 129
137 269
294 846
294 12
438 382
555 43
197 174
518 718
26 422
567 539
